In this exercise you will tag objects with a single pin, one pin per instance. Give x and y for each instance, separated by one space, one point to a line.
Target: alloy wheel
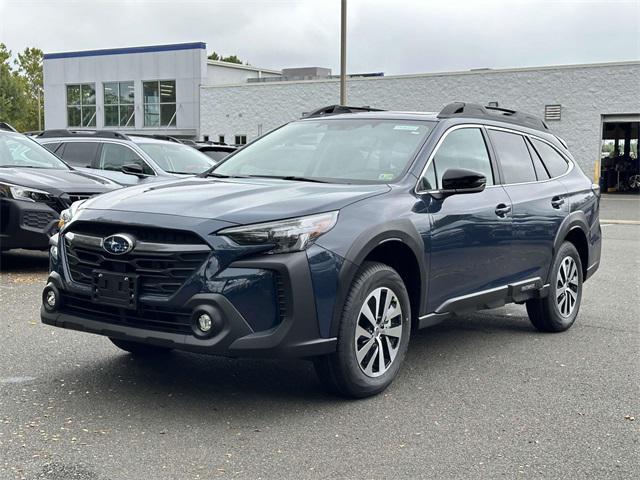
567 286
378 332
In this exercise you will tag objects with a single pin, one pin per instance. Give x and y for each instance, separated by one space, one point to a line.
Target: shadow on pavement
24 261
196 387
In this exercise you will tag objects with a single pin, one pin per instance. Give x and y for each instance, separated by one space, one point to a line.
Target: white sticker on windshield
411 128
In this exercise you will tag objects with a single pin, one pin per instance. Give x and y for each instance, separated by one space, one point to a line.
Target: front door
470 234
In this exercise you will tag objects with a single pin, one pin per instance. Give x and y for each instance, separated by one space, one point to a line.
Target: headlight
284 235
67 215
23 193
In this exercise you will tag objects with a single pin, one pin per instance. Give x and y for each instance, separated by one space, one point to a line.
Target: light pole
343 53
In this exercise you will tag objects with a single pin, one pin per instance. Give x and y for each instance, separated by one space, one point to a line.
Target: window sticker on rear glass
410 128
385 176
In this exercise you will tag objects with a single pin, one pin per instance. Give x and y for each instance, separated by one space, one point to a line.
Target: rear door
539 203
79 155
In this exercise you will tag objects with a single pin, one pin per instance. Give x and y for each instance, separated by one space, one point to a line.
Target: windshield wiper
292 177
17 166
220 175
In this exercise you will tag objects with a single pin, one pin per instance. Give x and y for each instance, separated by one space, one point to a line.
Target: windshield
177 158
19 151
358 150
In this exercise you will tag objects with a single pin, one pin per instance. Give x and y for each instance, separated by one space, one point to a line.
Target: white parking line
620 222
17 379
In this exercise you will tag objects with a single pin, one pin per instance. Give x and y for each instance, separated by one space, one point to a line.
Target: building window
118 104
241 139
552 112
159 103
220 138
81 105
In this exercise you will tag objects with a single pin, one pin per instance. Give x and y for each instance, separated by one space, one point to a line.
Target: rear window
555 163
513 156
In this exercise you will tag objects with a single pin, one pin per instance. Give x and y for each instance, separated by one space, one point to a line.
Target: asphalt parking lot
484 396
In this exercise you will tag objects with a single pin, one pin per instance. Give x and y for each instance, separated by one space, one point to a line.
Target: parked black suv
35 186
332 238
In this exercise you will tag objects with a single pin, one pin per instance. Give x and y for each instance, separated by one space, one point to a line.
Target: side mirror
133 169
460 180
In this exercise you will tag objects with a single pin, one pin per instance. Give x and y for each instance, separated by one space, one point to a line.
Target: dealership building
175 89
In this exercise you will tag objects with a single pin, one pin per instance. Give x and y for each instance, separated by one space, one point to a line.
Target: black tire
139 349
341 372
545 313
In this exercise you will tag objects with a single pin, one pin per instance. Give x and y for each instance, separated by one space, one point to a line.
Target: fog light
54 252
205 322
51 298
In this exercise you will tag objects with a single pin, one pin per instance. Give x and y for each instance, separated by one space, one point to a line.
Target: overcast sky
391 36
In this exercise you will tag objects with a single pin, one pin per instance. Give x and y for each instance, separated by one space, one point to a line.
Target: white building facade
575 100
151 89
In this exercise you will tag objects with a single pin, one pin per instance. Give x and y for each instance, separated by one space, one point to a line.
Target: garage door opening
619 164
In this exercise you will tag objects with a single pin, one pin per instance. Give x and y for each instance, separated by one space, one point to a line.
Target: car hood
57 181
240 201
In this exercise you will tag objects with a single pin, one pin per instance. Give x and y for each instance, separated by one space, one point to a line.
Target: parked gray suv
125 159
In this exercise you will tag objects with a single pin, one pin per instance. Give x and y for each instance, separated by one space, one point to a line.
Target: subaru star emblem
118 244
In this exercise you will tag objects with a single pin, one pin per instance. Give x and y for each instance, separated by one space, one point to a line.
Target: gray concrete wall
586 92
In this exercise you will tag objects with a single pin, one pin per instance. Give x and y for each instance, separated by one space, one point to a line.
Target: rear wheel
140 349
373 336
558 311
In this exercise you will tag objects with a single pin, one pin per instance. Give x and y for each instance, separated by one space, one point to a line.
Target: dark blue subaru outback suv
333 238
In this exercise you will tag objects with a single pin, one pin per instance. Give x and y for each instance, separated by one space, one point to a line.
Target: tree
12 92
29 67
229 58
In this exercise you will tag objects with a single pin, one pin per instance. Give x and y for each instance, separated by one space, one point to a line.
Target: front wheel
558 310
373 336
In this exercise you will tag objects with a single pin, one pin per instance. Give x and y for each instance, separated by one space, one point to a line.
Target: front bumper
295 334
25 224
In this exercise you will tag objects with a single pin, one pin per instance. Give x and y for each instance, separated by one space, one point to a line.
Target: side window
428 180
79 154
513 155
555 163
463 148
541 171
113 156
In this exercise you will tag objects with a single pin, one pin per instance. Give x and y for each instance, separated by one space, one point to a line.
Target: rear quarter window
513 156
554 162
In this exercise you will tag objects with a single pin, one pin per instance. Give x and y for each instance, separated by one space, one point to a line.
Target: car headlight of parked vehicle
67 215
17 192
290 235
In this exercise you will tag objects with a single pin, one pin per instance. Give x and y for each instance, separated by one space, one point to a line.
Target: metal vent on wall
552 112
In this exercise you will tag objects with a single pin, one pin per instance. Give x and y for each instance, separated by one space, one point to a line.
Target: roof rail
6 126
339 109
474 110
158 136
83 133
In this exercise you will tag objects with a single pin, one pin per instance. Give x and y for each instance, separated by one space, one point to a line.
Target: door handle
557 202
502 210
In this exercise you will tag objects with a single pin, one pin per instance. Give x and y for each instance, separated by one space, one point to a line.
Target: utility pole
343 53
39 111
